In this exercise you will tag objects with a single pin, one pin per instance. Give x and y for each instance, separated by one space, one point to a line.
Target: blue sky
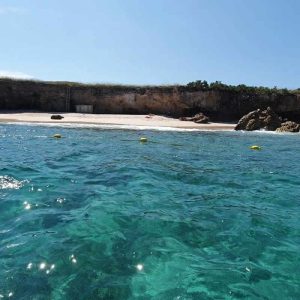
256 42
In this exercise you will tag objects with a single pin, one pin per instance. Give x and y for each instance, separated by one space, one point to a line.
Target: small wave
267 132
7 182
119 126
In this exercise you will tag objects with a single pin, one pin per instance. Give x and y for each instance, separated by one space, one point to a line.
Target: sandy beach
109 119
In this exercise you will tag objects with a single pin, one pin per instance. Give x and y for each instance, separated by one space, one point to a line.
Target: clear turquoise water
188 215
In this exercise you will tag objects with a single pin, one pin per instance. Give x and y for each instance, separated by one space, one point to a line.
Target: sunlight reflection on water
190 215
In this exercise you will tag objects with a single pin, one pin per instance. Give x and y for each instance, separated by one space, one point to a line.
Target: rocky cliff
218 104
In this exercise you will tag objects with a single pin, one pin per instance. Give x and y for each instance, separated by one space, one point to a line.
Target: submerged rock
198 118
259 274
56 117
289 126
259 119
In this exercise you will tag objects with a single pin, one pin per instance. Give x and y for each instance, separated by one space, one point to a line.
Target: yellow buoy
143 140
255 147
57 136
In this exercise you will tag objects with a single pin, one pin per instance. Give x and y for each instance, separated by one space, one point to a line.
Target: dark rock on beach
198 118
56 117
289 126
259 119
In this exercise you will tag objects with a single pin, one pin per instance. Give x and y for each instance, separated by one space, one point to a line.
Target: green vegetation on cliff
203 85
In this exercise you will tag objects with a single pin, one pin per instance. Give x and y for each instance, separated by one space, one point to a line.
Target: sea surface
187 215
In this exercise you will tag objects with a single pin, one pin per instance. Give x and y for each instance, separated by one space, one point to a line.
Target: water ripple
188 215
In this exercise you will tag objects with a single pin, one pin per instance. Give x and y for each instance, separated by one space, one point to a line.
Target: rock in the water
259 119
56 117
258 274
289 126
249 122
198 118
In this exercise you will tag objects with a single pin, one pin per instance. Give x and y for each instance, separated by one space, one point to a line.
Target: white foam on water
143 127
117 126
267 132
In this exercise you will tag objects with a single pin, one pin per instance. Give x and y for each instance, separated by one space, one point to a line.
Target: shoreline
110 121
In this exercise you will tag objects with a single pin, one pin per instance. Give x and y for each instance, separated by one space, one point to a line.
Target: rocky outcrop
259 119
289 126
199 118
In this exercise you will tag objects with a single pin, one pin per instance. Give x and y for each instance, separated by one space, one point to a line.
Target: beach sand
109 119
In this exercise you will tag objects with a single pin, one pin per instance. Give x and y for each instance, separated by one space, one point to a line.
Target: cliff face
173 101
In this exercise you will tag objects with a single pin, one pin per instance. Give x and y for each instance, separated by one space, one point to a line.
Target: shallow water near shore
188 215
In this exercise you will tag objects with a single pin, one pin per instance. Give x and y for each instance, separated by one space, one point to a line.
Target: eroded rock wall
174 101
